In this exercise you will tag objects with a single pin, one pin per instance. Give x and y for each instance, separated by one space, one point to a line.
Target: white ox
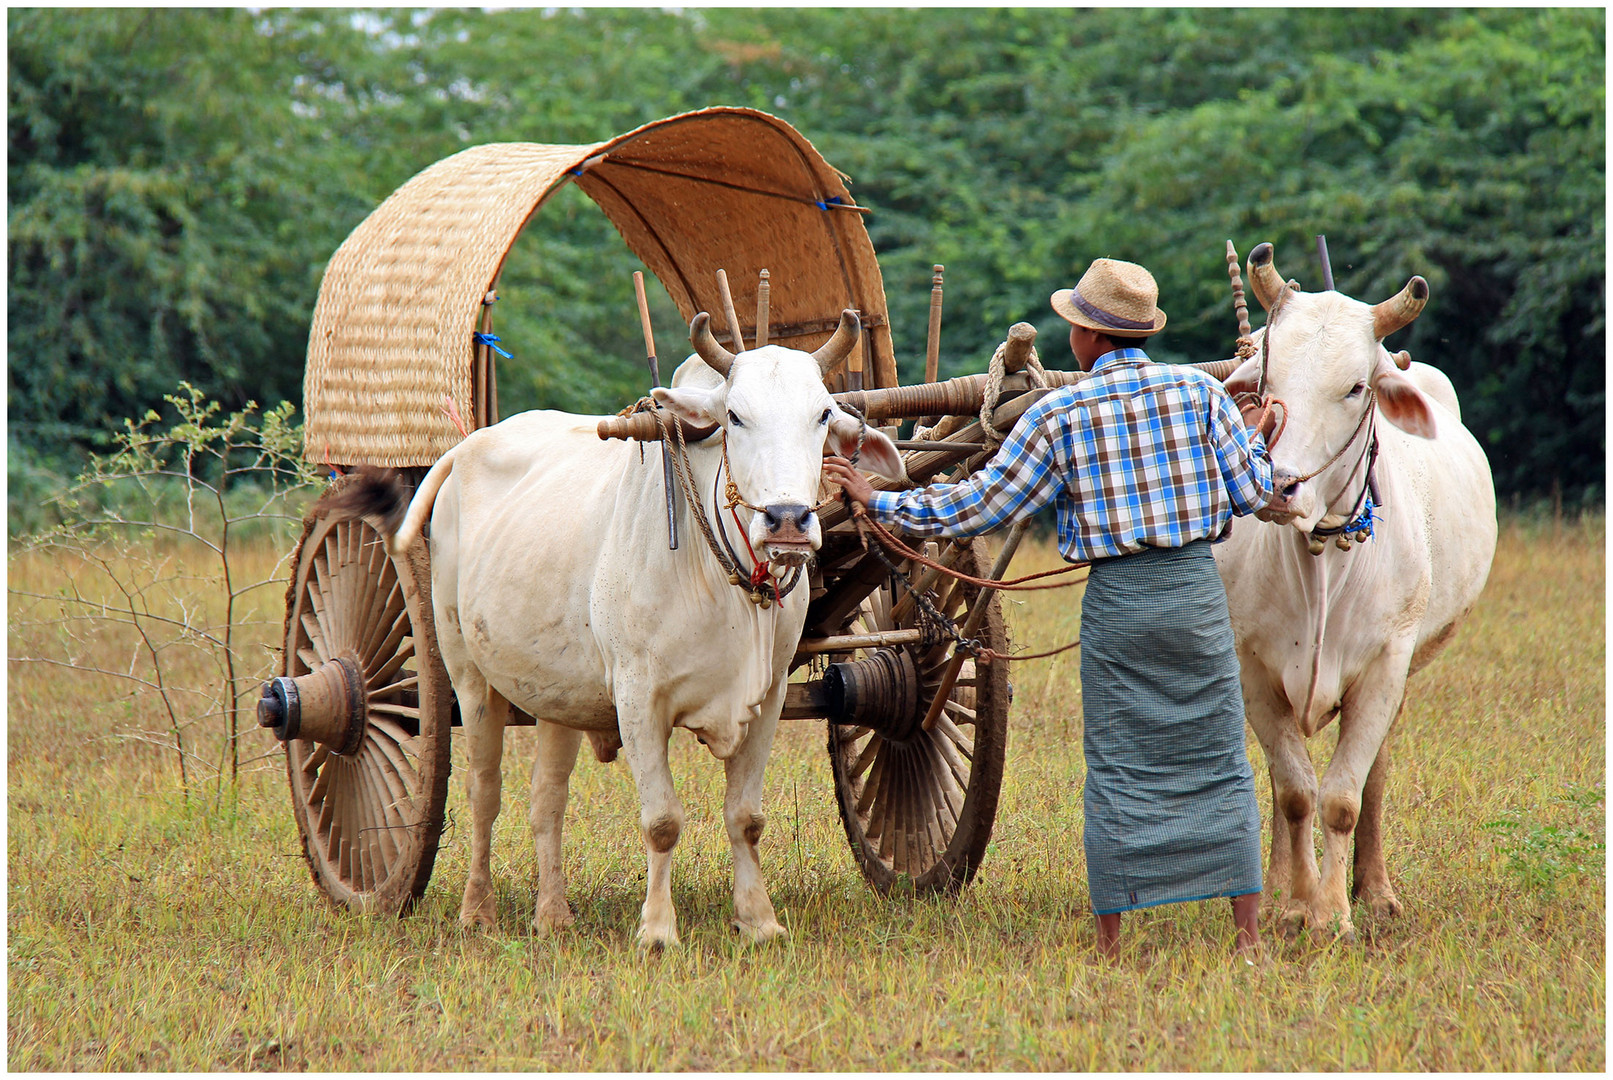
554 592
1385 608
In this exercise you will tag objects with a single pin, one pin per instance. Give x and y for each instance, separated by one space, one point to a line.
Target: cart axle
324 706
880 691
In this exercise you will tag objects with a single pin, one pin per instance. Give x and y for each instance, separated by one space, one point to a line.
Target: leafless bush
159 558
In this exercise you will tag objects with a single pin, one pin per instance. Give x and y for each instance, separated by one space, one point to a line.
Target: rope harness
756 582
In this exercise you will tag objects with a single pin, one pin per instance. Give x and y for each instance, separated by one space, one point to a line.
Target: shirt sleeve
1019 480
1240 454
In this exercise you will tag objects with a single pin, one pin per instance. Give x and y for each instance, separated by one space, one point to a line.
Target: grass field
151 931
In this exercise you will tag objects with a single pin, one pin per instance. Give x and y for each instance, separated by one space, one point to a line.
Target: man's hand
1257 417
853 482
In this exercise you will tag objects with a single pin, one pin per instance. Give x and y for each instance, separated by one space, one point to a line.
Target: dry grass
151 933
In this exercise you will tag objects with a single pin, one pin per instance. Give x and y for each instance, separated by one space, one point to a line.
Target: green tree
179 178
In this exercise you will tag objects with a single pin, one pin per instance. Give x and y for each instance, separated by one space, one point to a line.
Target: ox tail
381 498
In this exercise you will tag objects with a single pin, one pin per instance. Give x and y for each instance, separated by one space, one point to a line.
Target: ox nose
1286 488
787 518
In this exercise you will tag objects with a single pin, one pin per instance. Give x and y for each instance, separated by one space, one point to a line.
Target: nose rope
1360 425
741 579
759 576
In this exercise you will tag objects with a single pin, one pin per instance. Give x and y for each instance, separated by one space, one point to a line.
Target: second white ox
1337 634
555 593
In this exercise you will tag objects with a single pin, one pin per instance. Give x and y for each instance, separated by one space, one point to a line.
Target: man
1145 465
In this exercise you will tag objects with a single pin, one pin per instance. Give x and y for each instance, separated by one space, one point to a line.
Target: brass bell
733 577
1343 541
1316 544
764 603
1362 536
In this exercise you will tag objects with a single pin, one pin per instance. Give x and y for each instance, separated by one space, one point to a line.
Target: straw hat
1116 298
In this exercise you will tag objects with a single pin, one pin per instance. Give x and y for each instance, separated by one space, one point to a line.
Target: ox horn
1399 309
1263 277
831 352
716 357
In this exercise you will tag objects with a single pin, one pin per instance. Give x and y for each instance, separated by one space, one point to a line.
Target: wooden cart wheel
369 767
919 805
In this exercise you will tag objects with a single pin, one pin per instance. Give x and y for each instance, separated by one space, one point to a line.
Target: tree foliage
178 179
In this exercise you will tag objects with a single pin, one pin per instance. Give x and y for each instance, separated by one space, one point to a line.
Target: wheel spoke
313 759
381 692
363 837
386 649
387 817
403 654
881 810
388 613
376 832
387 757
958 739
393 745
871 782
316 638
866 758
327 596
950 804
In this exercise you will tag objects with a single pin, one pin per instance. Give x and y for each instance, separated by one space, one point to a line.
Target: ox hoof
757 935
477 920
1339 928
1383 905
553 918
479 913
657 940
1292 922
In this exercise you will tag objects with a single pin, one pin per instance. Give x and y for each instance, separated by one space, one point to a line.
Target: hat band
1097 314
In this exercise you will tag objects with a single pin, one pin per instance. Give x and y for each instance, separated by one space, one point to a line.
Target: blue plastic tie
1363 520
490 339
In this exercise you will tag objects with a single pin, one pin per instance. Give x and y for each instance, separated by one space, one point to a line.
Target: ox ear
1399 400
879 454
697 406
1245 378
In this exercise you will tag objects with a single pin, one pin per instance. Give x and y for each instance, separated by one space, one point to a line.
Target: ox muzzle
1291 498
788 530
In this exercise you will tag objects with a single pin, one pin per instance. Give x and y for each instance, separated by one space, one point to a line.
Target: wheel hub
325 706
880 691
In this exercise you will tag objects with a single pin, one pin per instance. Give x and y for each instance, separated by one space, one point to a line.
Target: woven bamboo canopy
392 337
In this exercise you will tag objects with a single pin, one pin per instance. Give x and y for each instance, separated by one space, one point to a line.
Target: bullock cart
400 366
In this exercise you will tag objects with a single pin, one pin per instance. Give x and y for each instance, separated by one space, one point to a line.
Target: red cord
758 572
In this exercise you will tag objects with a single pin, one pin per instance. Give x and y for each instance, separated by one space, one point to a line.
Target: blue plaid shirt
1137 455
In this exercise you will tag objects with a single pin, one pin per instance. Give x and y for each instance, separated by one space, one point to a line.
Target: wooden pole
762 302
655 380
932 345
728 311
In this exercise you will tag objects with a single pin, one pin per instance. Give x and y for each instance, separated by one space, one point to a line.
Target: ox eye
734 420
824 419
1355 391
